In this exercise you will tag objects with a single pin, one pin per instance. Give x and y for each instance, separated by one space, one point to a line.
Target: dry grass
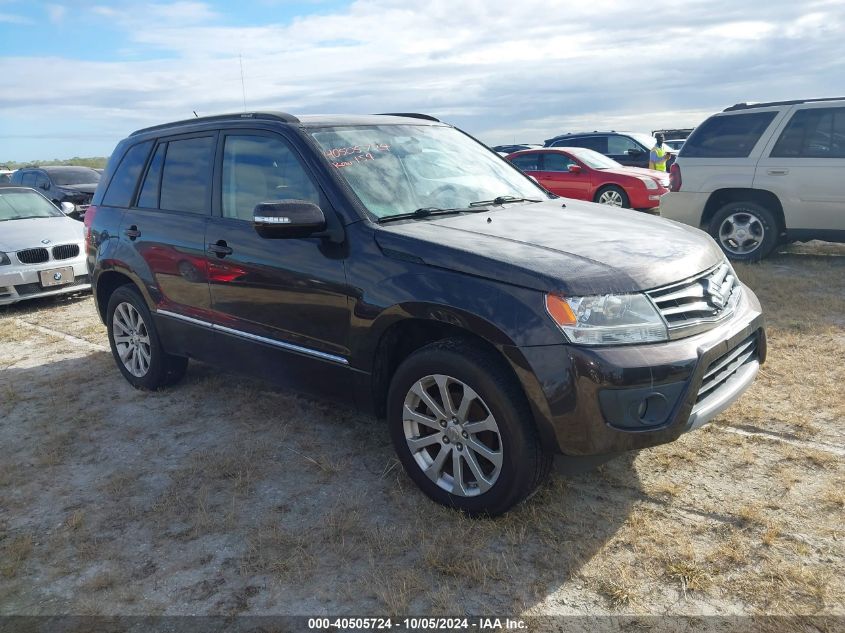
225 495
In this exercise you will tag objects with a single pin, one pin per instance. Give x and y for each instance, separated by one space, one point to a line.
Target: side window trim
136 199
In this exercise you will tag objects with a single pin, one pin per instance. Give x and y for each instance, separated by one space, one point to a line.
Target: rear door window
595 143
122 185
813 133
731 136
186 176
527 162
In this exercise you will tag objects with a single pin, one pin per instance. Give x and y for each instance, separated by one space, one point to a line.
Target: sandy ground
226 496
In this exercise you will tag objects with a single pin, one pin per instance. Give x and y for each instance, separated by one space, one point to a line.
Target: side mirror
44 185
67 207
575 169
634 152
288 218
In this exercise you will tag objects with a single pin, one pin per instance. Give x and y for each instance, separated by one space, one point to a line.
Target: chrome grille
704 299
33 256
65 251
727 365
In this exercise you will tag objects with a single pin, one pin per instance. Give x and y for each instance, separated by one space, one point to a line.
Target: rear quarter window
732 136
122 185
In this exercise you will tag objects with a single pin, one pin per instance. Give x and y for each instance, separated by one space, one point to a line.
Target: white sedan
42 252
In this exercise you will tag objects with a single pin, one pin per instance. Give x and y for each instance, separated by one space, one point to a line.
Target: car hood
580 249
640 171
29 233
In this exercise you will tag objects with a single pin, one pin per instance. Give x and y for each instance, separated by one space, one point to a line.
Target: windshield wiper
502 200
425 212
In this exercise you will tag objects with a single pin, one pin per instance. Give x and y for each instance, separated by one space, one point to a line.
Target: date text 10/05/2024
417 624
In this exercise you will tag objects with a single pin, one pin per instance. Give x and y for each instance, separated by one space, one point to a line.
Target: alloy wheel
131 339
611 197
741 233
452 435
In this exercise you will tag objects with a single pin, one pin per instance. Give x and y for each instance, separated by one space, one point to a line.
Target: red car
575 172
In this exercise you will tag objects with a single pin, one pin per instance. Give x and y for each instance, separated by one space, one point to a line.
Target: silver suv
757 175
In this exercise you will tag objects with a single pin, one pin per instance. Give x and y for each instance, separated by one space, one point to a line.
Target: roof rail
749 106
411 115
273 116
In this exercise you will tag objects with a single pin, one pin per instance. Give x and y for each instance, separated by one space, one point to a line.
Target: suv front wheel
746 231
135 344
463 430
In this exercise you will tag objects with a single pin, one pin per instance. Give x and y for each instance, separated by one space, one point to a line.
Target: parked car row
70 188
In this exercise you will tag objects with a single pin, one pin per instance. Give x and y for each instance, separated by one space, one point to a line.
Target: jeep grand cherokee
396 264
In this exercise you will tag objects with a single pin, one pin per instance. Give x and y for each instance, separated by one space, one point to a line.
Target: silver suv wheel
131 339
452 435
741 233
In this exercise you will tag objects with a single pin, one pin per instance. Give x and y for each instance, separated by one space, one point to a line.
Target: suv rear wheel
463 430
746 231
135 344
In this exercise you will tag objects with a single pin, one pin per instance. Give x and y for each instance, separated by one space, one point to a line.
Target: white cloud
497 68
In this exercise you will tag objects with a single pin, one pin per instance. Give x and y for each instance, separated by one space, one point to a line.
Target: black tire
163 369
763 228
525 463
613 189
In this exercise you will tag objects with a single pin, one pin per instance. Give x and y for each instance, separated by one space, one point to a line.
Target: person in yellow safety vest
658 157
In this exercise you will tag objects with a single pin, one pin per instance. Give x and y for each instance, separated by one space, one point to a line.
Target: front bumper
585 399
22 281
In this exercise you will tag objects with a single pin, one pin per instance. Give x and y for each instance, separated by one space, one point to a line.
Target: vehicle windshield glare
593 159
19 205
395 169
75 177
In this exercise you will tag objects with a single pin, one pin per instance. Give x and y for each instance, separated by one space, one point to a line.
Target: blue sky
78 76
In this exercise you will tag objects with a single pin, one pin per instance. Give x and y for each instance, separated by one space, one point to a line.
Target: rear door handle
777 172
220 248
132 232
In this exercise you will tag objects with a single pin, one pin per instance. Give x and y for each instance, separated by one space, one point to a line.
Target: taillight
675 180
88 220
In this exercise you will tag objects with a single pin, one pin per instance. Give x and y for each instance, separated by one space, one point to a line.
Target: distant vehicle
510 149
582 174
41 251
754 176
6 174
675 144
627 148
75 185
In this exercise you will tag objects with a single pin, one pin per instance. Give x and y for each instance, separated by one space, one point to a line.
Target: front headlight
4 259
607 319
650 183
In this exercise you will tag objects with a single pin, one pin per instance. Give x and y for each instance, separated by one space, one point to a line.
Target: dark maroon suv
397 265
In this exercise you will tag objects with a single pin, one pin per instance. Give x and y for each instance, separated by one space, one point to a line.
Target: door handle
132 233
220 248
777 172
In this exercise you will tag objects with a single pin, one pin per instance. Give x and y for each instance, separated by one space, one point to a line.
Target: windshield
593 159
18 205
75 177
396 169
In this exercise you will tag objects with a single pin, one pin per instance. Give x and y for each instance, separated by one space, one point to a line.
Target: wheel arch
106 283
401 337
763 197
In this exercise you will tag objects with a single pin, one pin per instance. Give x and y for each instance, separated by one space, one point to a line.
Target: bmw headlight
607 319
4 259
650 183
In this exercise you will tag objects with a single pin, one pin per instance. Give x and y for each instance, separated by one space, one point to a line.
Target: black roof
768 104
559 136
312 120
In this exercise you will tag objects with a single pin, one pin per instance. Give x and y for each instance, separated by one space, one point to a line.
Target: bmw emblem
57 276
45 241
